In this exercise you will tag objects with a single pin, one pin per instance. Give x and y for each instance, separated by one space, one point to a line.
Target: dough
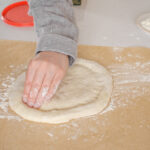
143 21
85 90
146 24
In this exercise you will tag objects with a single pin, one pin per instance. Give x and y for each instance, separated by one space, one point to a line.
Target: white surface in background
100 22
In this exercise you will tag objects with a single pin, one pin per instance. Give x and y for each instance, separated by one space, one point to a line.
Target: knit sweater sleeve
55 26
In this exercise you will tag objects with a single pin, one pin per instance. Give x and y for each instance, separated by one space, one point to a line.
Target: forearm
55 26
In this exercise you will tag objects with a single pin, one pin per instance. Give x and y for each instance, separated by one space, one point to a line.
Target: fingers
28 81
44 89
54 86
35 87
43 77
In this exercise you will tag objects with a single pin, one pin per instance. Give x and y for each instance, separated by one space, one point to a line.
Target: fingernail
30 104
24 99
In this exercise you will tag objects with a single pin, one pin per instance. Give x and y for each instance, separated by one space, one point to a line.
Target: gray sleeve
55 26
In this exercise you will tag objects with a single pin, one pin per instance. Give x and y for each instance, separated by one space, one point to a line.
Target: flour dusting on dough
44 91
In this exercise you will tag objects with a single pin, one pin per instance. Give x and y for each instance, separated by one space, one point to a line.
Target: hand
44 74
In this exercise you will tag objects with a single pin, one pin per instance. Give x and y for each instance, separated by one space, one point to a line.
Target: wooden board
123 125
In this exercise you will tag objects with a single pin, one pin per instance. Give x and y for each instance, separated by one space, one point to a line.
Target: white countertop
100 22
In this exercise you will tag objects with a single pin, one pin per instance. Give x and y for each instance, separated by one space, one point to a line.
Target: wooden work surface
123 125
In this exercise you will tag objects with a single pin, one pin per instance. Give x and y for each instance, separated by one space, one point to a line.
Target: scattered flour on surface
124 75
50 134
74 124
4 106
93 130
116 49
10 117
6 82
130 81
64 125
74 137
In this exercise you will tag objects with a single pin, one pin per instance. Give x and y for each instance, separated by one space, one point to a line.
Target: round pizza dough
84 91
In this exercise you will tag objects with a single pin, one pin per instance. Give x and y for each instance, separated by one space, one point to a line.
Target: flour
55 87
64 125
32 94
129 82
4 106
44 91
73 130
11 66
50 134
6 82
11 117
110 107
75 134
74 137
93 130
119 58
74 124
116 49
